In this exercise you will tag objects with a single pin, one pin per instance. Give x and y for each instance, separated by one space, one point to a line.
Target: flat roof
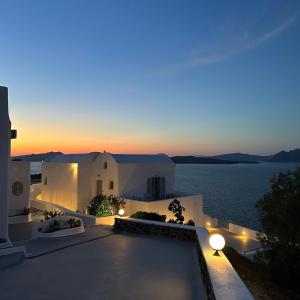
141 158
72 158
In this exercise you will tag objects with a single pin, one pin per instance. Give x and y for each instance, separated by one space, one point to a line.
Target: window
111 185
156 188
45 180
105 165
17 188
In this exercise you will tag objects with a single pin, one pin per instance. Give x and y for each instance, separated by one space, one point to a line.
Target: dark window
156 188
105 165
111 185
45 180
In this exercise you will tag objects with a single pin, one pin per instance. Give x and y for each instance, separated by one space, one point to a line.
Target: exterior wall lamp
217 242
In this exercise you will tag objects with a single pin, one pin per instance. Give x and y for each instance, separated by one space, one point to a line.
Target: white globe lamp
217 242
121 212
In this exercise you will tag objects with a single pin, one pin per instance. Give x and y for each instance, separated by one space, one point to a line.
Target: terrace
98 264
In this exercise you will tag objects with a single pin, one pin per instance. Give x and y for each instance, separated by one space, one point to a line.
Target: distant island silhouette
229 158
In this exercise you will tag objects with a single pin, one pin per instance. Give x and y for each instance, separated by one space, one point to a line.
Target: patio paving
119 266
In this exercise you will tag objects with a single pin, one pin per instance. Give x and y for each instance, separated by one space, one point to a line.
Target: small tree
177 209
279 214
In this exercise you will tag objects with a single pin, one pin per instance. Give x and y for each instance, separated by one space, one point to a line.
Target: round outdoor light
121 212
217 242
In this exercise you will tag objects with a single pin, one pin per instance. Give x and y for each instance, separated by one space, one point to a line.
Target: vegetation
26 211
177 209
56 225
74 223
51 214
103 205
174 206
279 212
257 278
149 216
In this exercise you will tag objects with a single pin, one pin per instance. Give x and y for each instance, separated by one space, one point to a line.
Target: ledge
219 277
19 219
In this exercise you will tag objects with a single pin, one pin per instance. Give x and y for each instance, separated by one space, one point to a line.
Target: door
98 187
156 187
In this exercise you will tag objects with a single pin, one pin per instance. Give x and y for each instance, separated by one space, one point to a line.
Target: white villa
72 180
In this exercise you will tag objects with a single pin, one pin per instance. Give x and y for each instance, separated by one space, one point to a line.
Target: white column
4 159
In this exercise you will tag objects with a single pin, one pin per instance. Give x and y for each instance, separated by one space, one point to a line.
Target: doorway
98 187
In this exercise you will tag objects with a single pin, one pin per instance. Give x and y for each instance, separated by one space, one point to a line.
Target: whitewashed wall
61 187
244 231
193 208
18 171
133 178
106 175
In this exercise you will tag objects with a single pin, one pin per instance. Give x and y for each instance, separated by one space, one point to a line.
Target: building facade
72 180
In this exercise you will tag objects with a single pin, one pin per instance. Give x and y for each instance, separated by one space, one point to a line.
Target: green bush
279 212
149 216
99 206
104 205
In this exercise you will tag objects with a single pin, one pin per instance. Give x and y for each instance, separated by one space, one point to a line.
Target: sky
167 76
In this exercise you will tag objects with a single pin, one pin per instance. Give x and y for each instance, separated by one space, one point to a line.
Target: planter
61 232
19 219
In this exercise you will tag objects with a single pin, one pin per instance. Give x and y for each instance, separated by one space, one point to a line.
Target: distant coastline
292 156
206 160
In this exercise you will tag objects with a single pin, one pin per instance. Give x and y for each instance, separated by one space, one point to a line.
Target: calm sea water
230 191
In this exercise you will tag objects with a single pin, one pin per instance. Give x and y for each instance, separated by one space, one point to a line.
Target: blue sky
180 77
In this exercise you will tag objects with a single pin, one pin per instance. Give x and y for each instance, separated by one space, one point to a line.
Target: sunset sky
179 77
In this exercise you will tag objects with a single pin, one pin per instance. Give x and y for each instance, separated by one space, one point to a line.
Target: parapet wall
219 277
192 204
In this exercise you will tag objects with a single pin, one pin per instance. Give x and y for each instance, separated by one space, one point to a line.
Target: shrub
53 226
177 209
279 212
51 214
74 223
26 211
149 216
116 204
103 205
99 206
190 222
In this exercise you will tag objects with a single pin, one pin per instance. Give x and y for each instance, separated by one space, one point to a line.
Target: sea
230 191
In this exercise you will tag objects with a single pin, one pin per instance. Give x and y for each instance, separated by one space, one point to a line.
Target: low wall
244 231
182 232
219 277
19 219
43 205
192 204
88 220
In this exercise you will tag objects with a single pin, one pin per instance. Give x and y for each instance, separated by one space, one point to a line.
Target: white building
72 180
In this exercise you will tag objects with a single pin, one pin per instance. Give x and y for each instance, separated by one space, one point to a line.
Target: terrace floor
118 266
